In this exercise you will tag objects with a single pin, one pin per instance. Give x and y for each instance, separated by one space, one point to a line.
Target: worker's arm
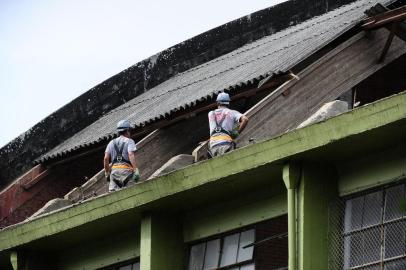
243 123
131 156
106 163
136 174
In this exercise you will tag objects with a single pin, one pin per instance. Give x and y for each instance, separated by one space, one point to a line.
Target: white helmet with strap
123 125
223 98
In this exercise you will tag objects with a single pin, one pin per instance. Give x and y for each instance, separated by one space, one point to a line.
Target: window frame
221 237
381 225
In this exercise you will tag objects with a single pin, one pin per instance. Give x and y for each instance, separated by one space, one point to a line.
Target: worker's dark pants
120 178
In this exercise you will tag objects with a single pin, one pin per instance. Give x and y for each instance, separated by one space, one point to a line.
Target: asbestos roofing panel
278 52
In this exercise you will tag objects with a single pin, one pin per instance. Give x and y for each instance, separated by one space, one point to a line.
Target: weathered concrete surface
174 164
50 206
17 156
326 111
94 186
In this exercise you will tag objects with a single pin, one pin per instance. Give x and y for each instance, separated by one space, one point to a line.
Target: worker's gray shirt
230 122
129 146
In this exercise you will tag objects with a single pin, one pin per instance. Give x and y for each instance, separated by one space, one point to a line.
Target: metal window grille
368 231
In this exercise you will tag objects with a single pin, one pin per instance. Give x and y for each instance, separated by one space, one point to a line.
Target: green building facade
327 196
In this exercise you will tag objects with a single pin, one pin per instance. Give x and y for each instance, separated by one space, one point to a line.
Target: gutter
291 176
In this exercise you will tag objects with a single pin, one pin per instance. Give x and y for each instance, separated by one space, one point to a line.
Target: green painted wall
100 253
317 189
161 243
223 217
373 170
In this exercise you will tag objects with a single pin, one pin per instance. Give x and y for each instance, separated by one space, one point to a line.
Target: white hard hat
123 125
223 98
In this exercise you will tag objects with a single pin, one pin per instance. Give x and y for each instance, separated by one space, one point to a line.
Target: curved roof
273 54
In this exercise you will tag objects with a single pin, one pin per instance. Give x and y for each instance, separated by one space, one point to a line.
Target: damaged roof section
122 87
247 65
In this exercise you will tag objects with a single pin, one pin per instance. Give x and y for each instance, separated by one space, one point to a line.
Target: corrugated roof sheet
272 54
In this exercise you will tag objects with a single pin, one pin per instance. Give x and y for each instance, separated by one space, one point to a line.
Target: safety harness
119 158
218 131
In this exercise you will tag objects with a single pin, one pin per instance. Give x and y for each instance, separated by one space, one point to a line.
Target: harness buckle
119 158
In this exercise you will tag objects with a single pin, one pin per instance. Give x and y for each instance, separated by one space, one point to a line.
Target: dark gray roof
272 54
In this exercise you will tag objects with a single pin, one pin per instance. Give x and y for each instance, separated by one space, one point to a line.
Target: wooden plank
323 81
395 15
388 43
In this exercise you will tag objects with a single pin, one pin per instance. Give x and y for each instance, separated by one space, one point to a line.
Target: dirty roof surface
276 53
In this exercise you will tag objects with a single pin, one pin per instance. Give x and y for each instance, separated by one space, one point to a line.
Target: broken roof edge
88 107
362 121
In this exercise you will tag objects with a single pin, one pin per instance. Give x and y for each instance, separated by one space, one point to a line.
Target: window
375 230
233 251
264 246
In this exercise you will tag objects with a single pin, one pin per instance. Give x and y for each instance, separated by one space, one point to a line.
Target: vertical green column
14 259
291 176
317 190
161 243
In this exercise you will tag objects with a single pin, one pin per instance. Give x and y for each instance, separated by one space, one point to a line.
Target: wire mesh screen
368 231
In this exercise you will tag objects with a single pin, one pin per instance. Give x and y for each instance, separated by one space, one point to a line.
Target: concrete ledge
327 111
175 163
51 206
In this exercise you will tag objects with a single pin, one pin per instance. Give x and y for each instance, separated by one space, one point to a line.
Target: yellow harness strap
122 166
221 138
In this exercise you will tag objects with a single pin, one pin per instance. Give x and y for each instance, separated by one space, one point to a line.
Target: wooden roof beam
377 21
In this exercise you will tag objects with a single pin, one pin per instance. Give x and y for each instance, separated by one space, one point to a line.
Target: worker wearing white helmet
120 166
225 125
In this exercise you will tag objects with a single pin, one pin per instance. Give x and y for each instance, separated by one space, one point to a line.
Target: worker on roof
120 152
225 125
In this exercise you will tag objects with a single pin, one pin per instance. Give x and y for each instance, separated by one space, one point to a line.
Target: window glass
396 265
395 239
126 267
246 238
372 209
353 214
230 248
248 267
372 267
211 259
353 251
372 245
393 197
197 256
